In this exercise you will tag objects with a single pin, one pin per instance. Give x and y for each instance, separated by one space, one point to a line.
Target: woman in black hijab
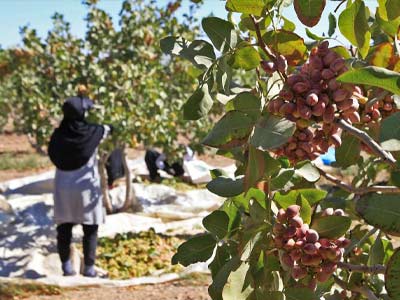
77 190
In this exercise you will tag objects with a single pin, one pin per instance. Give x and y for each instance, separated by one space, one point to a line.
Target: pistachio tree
119 65
278 235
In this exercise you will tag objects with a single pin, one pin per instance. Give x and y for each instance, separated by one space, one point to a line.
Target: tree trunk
103 181
33 142
130 196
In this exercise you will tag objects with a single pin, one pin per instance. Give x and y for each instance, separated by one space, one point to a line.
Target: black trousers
150 159
64 236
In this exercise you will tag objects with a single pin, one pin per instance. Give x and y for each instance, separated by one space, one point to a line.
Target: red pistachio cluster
379 109
313 96
302 251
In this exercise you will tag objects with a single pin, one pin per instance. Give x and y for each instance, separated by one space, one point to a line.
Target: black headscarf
75 140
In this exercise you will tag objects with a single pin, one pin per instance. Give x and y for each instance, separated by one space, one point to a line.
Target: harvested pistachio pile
137 254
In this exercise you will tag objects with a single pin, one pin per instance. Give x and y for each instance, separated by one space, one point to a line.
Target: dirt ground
16 144
166 291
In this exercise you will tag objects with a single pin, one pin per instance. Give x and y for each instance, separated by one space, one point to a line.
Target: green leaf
219 281
246 23
231 130
388 246
376 253
255 168
221 33
342 51
288 44
259 165
392 276
314 36
375 76
221 258
309 11
257 211
381 211
390 133
281 179
234 287
331 227
225 186
332 24
199 52
198 105
247 103
349 152
272 165
246 58
271 132
251 245
242 201
299 294
248 7
270 295
271 263
218 172
353 24
389 27
171 45
217 223
382 55
305 211
313 196
395 178
288 25
231 209
308 171
224 76
389 9
196 249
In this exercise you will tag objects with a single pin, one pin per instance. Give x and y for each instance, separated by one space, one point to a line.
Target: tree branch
375 269
366 139
103 179
264 47
362 190
363 290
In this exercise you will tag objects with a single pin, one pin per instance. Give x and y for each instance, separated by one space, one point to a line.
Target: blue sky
37 13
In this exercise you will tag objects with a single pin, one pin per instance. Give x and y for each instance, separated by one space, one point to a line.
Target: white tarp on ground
28 244
198 171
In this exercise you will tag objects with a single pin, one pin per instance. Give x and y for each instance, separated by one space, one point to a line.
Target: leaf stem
340 4
361 241
268 198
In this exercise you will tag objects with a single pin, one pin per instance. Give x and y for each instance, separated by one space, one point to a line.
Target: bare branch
363 290
375 269
347 187
362 190
366 139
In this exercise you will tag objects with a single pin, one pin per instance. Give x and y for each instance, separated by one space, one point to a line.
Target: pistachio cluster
302 251
313 96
